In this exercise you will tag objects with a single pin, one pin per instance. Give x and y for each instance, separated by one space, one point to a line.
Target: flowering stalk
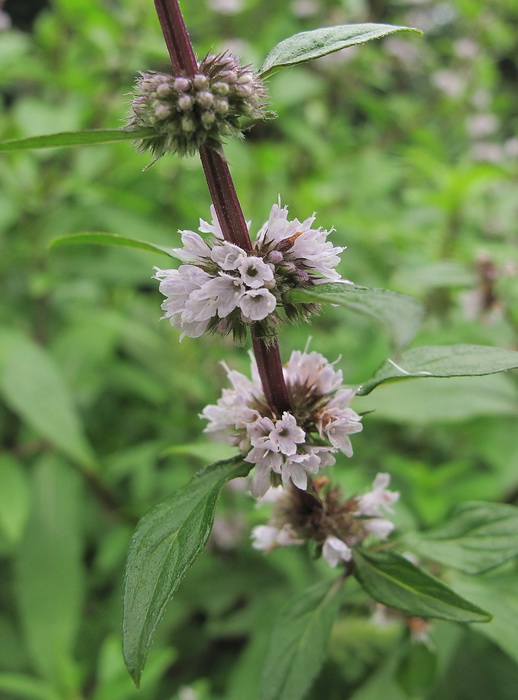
224 198
176 37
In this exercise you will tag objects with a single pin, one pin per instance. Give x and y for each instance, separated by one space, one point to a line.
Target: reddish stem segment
176 37
224 198
269 364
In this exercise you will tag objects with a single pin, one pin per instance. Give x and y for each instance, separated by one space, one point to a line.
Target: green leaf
399 314
392 580
201 450
298 645
14 498
436 401
49 572
166 542
306 46
417 669
97 238
478 537
499 596
443 361
89 137
33 387
16 685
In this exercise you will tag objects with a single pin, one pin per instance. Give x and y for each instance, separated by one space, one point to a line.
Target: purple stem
176 37
225 200
269 365
224 197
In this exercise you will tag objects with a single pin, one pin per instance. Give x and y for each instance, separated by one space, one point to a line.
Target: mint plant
287 422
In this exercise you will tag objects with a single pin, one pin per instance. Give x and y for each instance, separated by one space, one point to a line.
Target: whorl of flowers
335 524
289 447
187 113
222 288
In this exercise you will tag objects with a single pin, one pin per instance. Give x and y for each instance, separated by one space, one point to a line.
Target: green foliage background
409 148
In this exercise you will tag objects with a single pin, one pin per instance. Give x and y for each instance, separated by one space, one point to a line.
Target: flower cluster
335 525
298 443
187 113
222 288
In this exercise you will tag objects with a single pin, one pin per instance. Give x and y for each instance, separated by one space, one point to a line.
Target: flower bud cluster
222 288
298 443
325 518
189 112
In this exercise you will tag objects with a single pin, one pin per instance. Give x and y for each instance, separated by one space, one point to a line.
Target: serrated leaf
90 137
298 644
477 537
33 387
113 239
399 314
305 46
166 542
443 361
394 581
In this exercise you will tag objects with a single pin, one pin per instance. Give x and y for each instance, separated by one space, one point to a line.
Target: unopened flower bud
275 256
221 88
187 124
188 113
182 84
205 99
185 103
221 106
164 90
246 78
229 77
162 111
208 118
200 81
244 90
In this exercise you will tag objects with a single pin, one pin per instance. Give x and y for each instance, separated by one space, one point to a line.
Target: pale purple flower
227 255
380 527
337 421
306 247
260 428
273 495
195 249
313 371
254 272
218 296
245 287
264 537
335 550
379 498
257 304
280 445
286 434
261 479
214 227
298 466
268 537
265 454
